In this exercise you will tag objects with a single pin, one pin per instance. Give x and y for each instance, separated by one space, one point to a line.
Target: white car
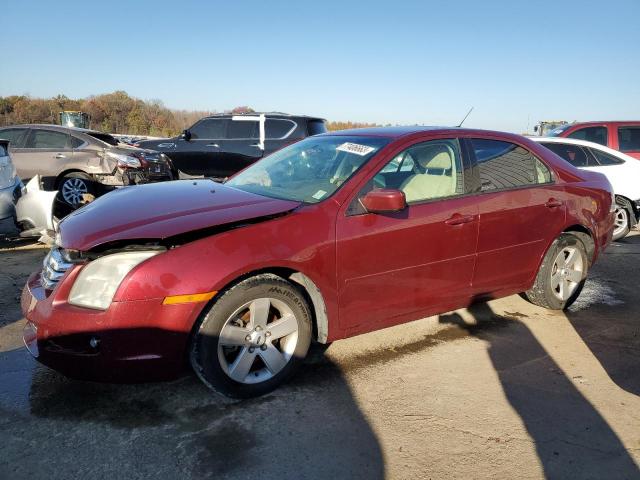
622 171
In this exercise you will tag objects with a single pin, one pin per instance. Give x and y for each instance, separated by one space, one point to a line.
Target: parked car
622 171
334 236
221 145
69 159
622 136
11 188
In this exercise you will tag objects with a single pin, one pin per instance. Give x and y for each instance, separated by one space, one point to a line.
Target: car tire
562 274
253 337
73 186
622 222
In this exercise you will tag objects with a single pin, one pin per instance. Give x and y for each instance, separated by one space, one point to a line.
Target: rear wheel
622 222
253 338
74 186
562 274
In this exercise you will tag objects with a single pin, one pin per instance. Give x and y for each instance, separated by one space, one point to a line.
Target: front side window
574 154
629 139
209 129
310 170
503 165
47 139
605 159
425 171
591 134
14 135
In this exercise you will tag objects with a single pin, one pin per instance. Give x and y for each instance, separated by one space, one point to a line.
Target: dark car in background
220 145
77 161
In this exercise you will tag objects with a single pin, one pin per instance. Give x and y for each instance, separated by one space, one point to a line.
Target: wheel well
584 234
311 292
59 178
628 204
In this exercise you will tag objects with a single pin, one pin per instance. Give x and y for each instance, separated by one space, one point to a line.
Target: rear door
45 152
628 139
521 211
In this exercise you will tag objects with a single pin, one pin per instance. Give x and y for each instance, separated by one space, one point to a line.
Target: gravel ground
501 390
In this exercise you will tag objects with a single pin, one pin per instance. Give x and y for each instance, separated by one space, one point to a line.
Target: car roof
267 114
603 122
57 127
583 143
403 131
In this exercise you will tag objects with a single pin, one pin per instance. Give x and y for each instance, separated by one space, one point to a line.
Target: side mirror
384 200
186 135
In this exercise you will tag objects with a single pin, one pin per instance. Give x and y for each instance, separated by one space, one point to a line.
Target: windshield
556 131
310 170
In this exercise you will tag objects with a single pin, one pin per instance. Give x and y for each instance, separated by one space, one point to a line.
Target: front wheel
253 338
562 274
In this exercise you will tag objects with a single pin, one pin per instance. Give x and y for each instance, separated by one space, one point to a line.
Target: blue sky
403 62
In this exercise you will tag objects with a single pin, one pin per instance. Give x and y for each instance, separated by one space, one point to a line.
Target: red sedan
334 236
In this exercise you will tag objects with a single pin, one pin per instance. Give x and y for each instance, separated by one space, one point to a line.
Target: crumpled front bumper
131 341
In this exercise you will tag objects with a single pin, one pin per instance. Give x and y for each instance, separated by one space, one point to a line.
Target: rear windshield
104 137
317 127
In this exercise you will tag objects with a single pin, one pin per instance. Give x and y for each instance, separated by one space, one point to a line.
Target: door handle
553 203
457 219
213 145
61 155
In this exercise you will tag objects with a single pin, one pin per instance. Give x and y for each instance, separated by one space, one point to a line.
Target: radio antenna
465 117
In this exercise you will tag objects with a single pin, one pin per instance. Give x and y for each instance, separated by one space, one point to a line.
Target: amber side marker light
191 298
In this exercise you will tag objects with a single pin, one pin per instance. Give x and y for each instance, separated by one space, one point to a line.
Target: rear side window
209 128
316 127
47 139
606 158
574 154
591 134
3 150
275 129
14 135
239 129
76 142
629 139
504 165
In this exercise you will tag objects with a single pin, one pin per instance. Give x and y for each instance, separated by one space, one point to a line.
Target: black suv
221 145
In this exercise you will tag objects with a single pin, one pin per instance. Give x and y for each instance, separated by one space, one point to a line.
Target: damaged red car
334 236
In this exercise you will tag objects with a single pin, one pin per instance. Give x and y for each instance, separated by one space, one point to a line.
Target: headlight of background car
98 281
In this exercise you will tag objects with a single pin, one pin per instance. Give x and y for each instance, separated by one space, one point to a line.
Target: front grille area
54 267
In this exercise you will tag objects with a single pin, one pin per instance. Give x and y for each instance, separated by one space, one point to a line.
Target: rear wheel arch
628 205
586 237
62 175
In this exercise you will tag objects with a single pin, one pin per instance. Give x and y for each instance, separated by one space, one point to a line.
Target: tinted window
104 137
435 171
629 139
574 154
317 127
76 142
3 151
606 158
211 128
242 129
277 128
506 165
47 139
591 134
14 135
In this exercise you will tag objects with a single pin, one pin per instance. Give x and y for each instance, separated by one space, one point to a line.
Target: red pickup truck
623 136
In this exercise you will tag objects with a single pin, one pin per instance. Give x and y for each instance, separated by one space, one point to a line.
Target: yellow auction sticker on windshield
356 148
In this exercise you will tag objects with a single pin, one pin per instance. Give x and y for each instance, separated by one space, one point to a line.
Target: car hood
161 210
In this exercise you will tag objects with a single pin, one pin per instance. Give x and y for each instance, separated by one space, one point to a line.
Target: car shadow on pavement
571 438
311 428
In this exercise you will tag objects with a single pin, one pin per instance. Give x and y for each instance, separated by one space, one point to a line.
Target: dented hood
161 210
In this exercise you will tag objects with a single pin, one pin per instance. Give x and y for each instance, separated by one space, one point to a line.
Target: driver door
404 265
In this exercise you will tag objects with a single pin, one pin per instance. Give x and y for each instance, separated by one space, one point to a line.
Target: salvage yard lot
500 390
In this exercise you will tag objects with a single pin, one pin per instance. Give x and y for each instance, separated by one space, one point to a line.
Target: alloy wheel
567 272
73 190
621 221
258 340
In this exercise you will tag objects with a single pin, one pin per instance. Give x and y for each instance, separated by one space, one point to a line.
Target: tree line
117 112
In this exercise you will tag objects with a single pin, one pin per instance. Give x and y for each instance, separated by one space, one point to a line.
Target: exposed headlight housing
99 280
